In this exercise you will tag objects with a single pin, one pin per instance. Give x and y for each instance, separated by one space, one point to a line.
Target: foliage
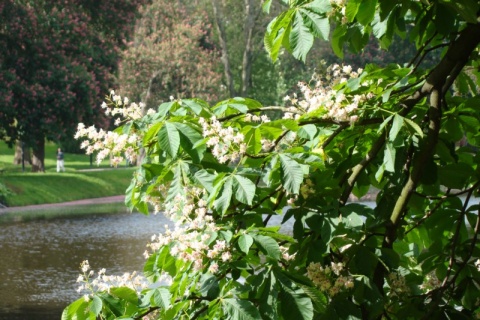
56 57
170 55
223 171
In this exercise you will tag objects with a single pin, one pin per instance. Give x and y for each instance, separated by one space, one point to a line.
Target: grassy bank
21 215
52 187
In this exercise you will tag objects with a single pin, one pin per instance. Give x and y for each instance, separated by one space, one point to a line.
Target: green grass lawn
52 187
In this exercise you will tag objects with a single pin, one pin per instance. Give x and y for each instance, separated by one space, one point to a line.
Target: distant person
60 161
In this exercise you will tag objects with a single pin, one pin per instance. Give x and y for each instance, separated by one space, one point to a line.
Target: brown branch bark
435 86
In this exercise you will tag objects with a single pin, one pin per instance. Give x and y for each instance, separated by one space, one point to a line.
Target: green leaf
318 25
467 9
338 39
319 6
196 105
318 298
176 186
76 310
266 6
414 126
209 287
300 39
292 174
389 157
223 202
384 124
352 9
307 132
455 175
125 293
189 137
245 241
161 298
253 139
151 133
244 189
295 304
396 127
205 179
276 32
95 305
366 11
169 139
268 246
237 309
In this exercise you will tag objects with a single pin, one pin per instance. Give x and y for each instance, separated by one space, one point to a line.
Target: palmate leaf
223 201
300 38
292 174
161 297
253 139
268 246
276 31
245 241
169 139
238 309
189 137
244 189
389 157
295 303
318 25
125 293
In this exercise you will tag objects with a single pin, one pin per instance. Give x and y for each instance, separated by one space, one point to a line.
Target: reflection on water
39 260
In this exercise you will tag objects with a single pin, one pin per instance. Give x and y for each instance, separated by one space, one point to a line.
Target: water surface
39 260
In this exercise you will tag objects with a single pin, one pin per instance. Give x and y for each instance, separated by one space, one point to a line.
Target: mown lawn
52 187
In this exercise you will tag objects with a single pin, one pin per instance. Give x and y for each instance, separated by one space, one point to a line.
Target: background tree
57 60
171 54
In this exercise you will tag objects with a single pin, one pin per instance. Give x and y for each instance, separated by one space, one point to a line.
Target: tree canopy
223 171
171 54
57 61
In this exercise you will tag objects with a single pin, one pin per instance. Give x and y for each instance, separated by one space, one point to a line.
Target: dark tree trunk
18 154
38 159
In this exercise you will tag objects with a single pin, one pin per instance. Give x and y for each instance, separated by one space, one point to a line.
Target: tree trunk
38 159
18 154
222 35
247 53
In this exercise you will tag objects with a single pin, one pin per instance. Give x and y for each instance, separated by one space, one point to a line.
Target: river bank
104 205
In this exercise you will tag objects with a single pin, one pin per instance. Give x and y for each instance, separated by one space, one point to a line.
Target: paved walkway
113 199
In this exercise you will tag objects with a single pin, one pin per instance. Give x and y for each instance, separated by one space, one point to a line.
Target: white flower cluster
477 264
103 282
108 143
193 245
430 282
335 104
329 279
112 144
340 6
285 255
398 285
227 144
123 107
252 117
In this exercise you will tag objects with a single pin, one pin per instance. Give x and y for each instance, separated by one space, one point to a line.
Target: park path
112 199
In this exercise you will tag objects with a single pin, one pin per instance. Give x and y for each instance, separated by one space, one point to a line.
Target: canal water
40 260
